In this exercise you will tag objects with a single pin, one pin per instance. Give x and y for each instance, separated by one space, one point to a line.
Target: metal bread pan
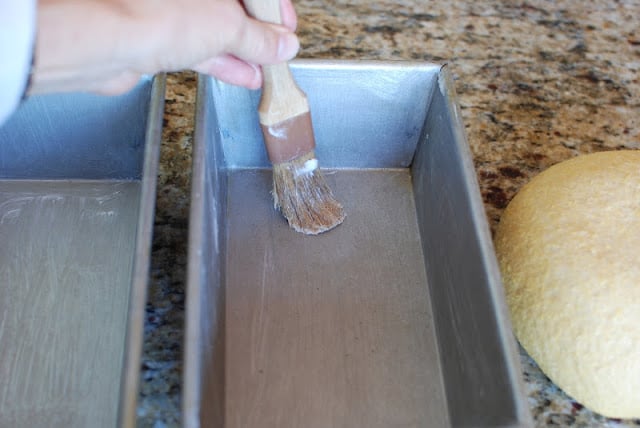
394 319
77 198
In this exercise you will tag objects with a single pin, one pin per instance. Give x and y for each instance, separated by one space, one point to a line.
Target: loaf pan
394 319
77 197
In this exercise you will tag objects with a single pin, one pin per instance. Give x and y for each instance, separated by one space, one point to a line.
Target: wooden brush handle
281 99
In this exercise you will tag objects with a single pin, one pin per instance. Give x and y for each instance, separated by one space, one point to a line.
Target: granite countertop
538 81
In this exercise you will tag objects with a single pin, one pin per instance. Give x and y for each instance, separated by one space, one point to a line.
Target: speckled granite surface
538 82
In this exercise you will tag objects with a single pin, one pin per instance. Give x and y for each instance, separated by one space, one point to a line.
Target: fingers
263 43
232 70
288 15
256 42
260 42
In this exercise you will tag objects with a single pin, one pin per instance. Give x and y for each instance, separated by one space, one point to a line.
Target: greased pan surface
77 194
396 317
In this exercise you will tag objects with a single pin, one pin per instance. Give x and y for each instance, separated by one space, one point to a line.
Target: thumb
263 43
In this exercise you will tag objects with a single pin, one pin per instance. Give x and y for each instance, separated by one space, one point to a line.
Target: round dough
568 246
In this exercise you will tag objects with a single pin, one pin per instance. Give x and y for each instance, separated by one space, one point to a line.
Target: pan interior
331 330
65 272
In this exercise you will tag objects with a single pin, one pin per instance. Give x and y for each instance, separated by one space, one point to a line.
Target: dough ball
568 246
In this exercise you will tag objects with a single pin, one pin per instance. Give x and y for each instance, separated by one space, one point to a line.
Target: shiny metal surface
370 119
77 198
395 318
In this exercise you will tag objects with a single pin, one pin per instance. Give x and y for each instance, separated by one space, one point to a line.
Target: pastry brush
299 189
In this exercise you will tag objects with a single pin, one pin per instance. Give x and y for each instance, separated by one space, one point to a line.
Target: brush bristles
303 196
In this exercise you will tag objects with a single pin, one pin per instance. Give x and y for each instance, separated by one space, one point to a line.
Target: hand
104 46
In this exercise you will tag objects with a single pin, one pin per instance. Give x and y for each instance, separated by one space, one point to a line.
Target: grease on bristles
301 193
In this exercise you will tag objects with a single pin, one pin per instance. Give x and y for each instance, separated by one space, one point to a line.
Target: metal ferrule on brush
289 139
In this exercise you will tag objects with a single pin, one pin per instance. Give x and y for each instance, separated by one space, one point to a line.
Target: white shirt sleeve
17 37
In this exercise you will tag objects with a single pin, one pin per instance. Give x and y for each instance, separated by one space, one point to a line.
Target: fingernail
257 77
288 46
